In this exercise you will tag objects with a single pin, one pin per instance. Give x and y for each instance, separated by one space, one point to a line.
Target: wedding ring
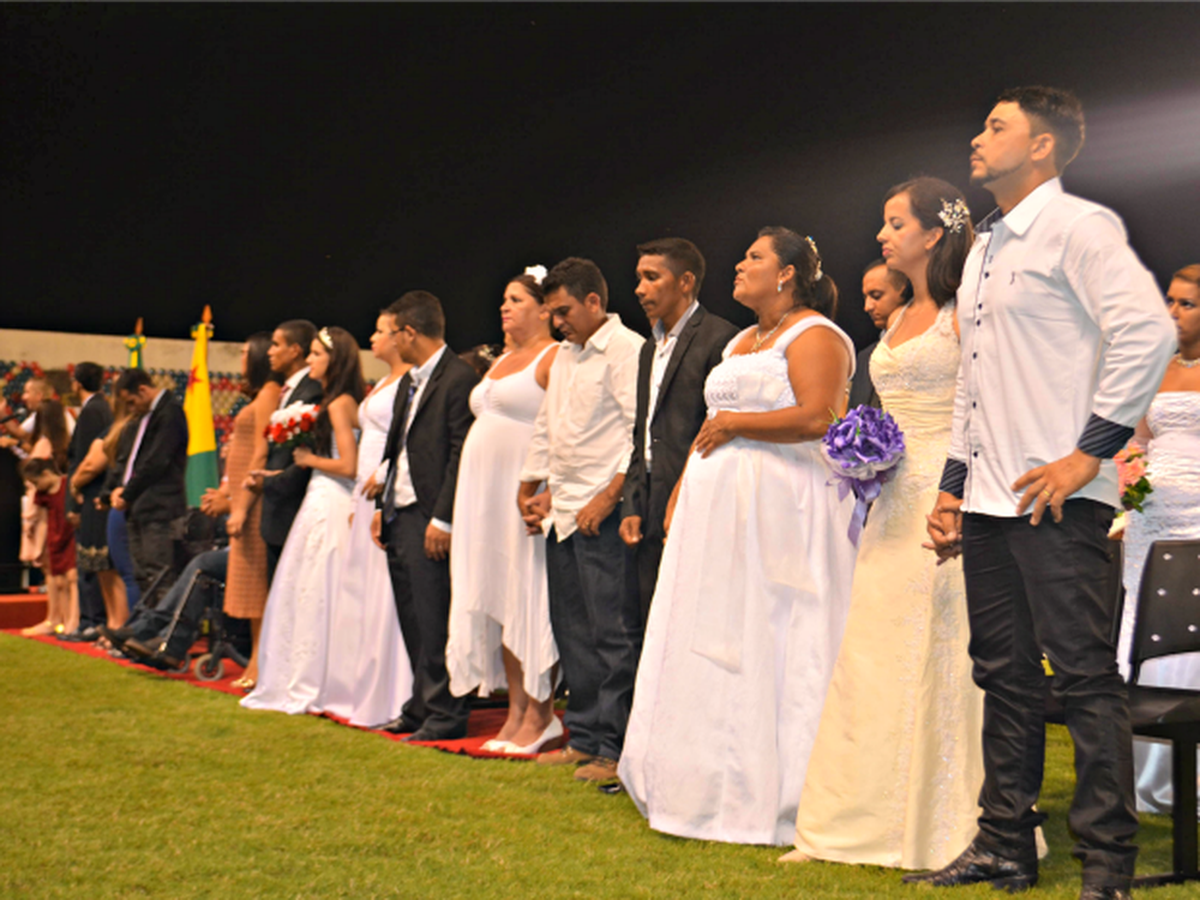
1046 493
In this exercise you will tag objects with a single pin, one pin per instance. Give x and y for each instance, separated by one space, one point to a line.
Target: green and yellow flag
202 472
136 345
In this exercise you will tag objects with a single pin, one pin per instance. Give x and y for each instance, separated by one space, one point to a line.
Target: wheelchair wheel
209 667
182 668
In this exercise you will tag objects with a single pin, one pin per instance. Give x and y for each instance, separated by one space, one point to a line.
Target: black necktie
389 483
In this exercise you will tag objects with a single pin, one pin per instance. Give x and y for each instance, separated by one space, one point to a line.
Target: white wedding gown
497 571
1172 512
293 648
368 677
895 775
745 624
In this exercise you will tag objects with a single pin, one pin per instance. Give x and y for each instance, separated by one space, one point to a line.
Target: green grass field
124 784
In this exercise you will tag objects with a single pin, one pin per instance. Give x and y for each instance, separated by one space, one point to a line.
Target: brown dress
246 581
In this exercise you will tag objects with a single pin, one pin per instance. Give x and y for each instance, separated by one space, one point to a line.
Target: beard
991 174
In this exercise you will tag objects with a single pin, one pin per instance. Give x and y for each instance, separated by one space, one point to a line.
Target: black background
319 160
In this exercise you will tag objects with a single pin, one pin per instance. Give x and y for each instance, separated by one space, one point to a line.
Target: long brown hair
51 423
122 416
927 198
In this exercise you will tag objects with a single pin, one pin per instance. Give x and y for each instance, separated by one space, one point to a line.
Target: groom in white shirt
1064 342
581 445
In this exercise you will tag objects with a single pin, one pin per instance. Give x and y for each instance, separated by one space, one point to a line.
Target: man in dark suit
283 488
884 292
151 490
416 506
672 369
95 416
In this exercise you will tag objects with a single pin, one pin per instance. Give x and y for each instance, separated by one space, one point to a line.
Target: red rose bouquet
293 425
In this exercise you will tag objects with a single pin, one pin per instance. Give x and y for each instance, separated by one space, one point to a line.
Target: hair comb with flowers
326 338
954 216
817 254
537 273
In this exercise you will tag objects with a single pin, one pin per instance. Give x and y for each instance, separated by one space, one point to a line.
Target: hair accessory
326 338
954 215
537 273
816 253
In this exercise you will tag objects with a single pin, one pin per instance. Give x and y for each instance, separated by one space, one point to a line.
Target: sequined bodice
916 380
1174 451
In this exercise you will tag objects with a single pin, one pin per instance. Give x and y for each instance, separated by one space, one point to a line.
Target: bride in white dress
895 775
755 579
1171 434
295 629
368 675
499 607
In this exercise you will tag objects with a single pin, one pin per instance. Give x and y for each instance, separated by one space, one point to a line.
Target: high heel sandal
553 732
246 685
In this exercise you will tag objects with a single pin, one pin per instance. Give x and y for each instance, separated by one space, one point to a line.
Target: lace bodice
517 396
758 382
916 380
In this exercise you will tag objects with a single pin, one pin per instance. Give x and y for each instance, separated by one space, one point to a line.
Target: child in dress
62 595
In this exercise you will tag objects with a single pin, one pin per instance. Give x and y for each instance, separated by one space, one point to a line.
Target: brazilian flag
202 472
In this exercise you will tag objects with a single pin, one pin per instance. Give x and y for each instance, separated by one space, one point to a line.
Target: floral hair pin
326 338
537 273
817 255
954 216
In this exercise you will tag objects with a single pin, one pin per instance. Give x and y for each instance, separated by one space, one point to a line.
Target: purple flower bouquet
862 450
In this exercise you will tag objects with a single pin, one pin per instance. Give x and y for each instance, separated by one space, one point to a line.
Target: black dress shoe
975 865
116 636
401 725
424 733
90 634
1096 892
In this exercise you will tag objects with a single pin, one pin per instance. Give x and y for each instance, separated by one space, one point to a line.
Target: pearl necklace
1187 363
763 338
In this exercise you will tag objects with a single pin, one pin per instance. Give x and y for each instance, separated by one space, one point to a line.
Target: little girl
62 596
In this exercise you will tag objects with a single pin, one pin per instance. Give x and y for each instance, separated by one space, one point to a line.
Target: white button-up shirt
664 346
583 436
1065 338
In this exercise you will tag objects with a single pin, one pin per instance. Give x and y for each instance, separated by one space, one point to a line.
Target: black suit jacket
94 420
156 491
435 436
677 418
862 389
283 493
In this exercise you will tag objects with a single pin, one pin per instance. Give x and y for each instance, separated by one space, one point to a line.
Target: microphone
15 414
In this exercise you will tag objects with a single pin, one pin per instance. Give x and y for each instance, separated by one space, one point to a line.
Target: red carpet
21 610
483 725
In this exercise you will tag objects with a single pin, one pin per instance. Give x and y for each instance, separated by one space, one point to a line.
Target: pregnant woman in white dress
293 648
499 611
1171 434
368 675
755 579
895 775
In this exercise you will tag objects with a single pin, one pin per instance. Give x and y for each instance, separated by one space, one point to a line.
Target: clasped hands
1045 486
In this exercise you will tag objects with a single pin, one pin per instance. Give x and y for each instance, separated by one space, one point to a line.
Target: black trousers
422 589
91 601
1045 590
155 548
595 614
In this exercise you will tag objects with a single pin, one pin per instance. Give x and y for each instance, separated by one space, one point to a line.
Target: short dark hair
927 197
579 277
813 288
35 466
423 311
258 364
90 376
681 256
132 380
298 331
1053 110
898 279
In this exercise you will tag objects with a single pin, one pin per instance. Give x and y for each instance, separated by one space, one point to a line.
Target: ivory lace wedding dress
895 775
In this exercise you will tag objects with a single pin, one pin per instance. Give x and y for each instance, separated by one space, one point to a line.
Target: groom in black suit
283 488
416 505
687 344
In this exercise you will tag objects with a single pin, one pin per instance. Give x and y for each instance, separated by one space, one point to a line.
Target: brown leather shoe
566 756
601 768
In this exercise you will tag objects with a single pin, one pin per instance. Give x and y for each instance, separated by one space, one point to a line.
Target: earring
779 288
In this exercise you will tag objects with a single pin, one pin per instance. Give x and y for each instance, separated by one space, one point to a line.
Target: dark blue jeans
118 549
1045 590
194 594
595 612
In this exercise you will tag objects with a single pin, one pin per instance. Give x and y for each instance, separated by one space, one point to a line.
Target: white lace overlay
1172 512
896 771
